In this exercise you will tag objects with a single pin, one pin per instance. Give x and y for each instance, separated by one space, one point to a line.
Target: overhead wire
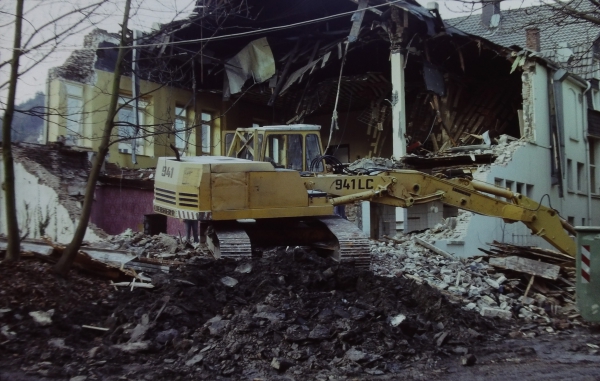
228 36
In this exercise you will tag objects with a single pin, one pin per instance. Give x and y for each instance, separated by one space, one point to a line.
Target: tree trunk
66 260
13 250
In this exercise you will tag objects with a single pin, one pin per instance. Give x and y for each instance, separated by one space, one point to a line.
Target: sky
108 16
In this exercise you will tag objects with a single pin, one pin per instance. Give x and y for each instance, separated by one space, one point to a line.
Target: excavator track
237 240
353 244
229 240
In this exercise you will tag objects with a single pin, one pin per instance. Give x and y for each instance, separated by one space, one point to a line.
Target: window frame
206 130
181 142
126 146
74 126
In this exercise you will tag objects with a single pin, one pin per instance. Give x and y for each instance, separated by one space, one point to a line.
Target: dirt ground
287 316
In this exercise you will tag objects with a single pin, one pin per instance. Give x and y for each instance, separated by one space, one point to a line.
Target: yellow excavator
276 187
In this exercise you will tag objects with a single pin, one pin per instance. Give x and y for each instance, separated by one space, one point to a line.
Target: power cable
227 36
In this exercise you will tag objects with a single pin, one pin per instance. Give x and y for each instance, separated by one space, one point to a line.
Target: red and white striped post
585 263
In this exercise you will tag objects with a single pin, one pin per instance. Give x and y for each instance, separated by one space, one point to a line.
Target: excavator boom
404 188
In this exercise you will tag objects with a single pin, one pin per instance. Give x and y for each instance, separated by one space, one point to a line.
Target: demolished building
393 79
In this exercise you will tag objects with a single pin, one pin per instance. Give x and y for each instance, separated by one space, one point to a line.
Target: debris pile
291 313
506 284
162 246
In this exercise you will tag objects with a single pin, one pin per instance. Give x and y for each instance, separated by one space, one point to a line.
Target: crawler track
229 240
237 240
353 244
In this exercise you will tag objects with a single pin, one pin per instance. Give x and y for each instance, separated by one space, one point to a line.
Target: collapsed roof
293 56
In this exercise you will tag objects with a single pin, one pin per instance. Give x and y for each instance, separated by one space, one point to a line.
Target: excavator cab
297 147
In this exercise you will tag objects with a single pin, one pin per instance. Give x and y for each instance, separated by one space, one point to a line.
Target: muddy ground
288 316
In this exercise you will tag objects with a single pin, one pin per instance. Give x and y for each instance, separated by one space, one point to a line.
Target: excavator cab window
247 151
313 153
284 151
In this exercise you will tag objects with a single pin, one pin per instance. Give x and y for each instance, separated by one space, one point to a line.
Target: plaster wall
39 210
530 166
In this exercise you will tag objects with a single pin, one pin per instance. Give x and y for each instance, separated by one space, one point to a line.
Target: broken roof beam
357 19
374 10
286 69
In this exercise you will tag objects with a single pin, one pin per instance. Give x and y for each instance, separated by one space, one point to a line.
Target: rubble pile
162 246
505 149
293 313
486 285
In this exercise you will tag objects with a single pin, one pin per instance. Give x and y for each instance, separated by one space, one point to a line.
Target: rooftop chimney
490 8
532 40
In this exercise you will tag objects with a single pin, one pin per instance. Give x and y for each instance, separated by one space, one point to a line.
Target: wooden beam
527 266
284 74
433 248
357 19
374 10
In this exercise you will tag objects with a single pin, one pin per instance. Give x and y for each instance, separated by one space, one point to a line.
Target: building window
571 220
129 129
569 174
206 129
572 112
580 177
529 190
520 187
181 135
593 156
499 183
74 114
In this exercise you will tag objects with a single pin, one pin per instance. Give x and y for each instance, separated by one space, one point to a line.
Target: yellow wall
159 116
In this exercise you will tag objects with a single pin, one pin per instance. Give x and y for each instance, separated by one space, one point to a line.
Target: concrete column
424 216
383 220
399 106
398 118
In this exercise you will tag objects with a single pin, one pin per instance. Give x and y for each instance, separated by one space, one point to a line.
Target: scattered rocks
133 347
42 318
468 360
315 317
229 281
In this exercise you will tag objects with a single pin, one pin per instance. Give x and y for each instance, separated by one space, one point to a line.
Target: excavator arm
404 188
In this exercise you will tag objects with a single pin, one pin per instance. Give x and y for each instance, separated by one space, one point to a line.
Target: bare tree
14 248
40 41
66 260
586 10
